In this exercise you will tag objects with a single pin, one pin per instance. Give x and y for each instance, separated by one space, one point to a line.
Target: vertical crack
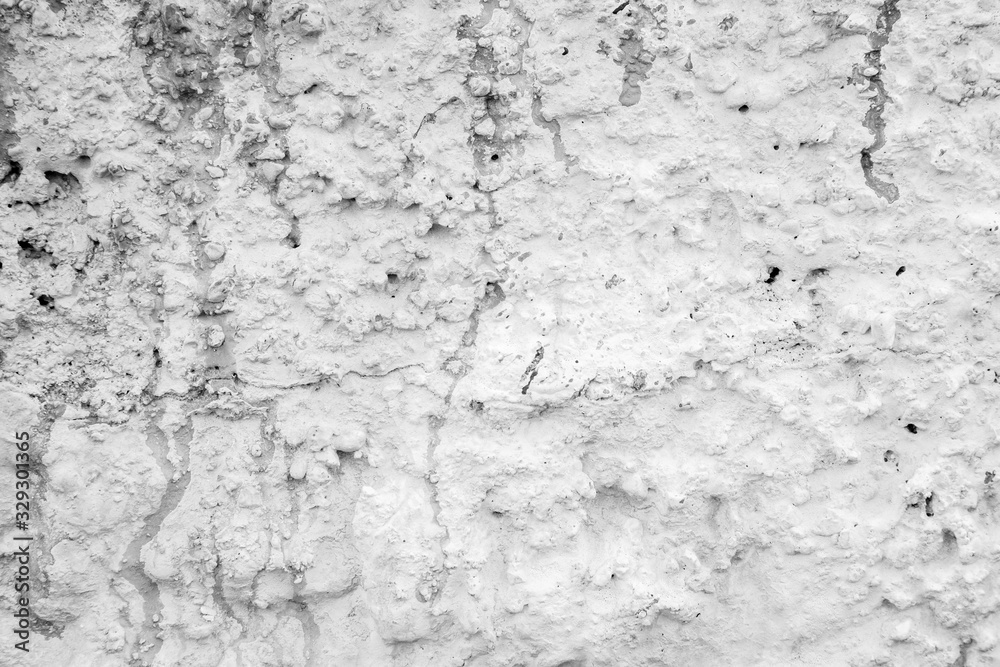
633 56
431 475
532 369
9 169
554 128
41 436
888 15
177 477
497 84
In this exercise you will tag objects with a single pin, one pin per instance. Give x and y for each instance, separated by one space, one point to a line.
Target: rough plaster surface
555 334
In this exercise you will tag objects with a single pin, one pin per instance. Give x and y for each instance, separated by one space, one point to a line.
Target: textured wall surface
508 334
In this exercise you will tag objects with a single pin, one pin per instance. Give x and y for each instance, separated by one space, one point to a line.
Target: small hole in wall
565 51
46 300
84 160
393 278
310 89
772 274
900 270
744 109
776 147
494 157
912 428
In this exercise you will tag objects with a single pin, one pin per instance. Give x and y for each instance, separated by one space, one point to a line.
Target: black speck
900 270
912 428
772 274
744 109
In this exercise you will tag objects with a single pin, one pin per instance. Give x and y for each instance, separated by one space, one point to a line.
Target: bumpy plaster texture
556 334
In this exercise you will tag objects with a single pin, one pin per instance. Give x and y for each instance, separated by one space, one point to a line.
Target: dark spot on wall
493 295
744 109
13 173
772 274
62 184
950 542
46 300
437 230
33 249
294 238
912 428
